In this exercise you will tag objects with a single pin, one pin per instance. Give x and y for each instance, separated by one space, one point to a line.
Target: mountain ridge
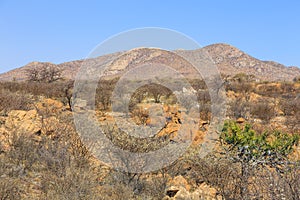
228 59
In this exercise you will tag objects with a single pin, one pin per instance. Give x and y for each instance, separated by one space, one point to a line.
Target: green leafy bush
251 145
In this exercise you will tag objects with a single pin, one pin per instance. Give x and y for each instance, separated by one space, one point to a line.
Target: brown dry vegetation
52 162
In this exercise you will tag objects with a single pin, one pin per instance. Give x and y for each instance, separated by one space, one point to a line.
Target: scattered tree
47 73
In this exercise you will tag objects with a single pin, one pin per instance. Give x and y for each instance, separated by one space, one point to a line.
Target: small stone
240 120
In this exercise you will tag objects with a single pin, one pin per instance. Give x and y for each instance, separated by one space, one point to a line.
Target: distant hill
228 59
231 60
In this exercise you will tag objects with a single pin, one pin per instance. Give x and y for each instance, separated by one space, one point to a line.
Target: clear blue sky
59 31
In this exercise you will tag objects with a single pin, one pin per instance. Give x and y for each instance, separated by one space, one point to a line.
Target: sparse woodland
255 157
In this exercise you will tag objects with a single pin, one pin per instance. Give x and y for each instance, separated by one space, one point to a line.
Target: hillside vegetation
255 154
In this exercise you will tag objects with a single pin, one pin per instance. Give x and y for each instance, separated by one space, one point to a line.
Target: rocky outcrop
33 123
231 61
25 121
179 189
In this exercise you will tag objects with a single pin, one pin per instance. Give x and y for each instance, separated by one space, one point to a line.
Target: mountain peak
224 50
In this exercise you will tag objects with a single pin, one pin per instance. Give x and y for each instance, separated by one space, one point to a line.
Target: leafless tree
68 92
47 74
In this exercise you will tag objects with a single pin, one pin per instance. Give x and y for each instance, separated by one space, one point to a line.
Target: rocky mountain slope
231 60
228 59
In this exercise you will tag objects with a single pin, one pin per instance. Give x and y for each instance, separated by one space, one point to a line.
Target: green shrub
253 146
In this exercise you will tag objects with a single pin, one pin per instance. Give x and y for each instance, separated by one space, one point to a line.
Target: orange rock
198 138
179 181
240 120
50 125
173 109
26 121
148 121
166 108
49 106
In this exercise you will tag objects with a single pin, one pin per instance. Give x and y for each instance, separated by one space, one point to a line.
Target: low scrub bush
14 101
262 110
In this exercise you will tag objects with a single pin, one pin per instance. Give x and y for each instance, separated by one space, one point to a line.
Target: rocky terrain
256 154
231 60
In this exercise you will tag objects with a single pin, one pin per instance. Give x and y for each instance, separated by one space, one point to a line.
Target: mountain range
228 59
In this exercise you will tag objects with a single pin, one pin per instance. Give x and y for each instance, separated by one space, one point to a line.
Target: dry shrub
204 102
9 189
14 101
15 163
19 92
133 144
290 107
287 87
203 96
198 84
103 93
115 191
75 183
140 115
136 186
68 172
154 186
59 167
258 182
23 151
238 108
240 87
222 174
268 90
276 89
262 110
271 184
